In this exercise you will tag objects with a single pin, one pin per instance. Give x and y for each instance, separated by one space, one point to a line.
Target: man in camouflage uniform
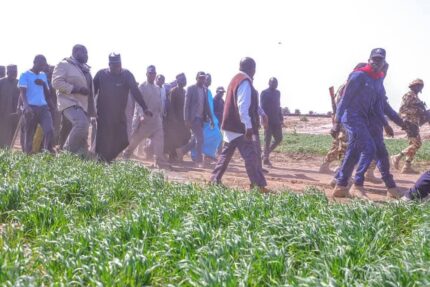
413 111
339 144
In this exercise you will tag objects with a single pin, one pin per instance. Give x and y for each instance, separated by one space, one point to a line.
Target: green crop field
67 222
319 145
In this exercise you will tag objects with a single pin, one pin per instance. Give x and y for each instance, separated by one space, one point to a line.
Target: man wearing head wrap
412 110
362 97
177 134
149 127
34 93
239 125
9 94
112 87
73 82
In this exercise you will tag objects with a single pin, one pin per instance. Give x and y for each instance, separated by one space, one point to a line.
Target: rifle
333 100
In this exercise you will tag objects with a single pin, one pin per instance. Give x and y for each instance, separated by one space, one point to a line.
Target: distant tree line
286 112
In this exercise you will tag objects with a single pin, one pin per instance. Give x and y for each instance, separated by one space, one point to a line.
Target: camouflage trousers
414 144
338 147
372 166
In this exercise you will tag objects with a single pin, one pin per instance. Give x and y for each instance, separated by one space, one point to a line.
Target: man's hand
28 112
82 90
334 132
39 82
212 125
148 113
389 131
265 121
248 134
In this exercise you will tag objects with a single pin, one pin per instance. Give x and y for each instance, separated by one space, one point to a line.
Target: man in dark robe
177 134
9 94
112 86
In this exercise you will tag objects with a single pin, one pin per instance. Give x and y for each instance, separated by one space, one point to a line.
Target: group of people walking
168 119
358 127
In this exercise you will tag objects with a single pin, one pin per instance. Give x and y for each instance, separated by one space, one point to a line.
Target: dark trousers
257 145
248 151
276 132
196 139
421 188
361 150
41 115
382 157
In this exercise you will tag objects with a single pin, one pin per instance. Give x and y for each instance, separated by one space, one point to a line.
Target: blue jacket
363 99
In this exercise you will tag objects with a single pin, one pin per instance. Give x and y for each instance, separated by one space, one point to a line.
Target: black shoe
267 162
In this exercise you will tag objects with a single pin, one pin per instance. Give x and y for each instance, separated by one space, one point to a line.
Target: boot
405 199
358 191
340 191
260 189
264 190
267 162
407 169
325 167
395 160
370 176
394 192
333 182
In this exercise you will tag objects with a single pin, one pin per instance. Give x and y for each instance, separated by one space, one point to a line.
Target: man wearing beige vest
73 82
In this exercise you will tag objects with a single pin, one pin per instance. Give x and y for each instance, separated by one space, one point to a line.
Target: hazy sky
308 44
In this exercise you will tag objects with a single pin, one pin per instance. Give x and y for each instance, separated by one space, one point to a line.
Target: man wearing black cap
73 82
219 104
9 94
270 100
112 87
363 97
239 126
196 112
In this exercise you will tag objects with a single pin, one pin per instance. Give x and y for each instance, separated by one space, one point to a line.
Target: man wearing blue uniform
376 129
362 98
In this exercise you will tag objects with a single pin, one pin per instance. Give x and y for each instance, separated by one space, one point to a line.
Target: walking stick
17 130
